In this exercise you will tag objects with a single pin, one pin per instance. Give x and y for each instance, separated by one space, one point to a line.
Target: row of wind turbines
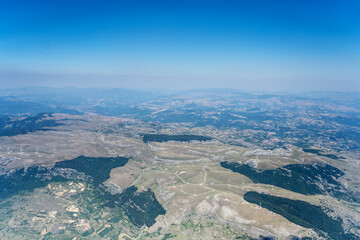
21 150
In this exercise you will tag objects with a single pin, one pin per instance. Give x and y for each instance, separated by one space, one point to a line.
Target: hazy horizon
176 84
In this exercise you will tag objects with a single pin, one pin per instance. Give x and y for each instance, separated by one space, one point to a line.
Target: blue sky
249 45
